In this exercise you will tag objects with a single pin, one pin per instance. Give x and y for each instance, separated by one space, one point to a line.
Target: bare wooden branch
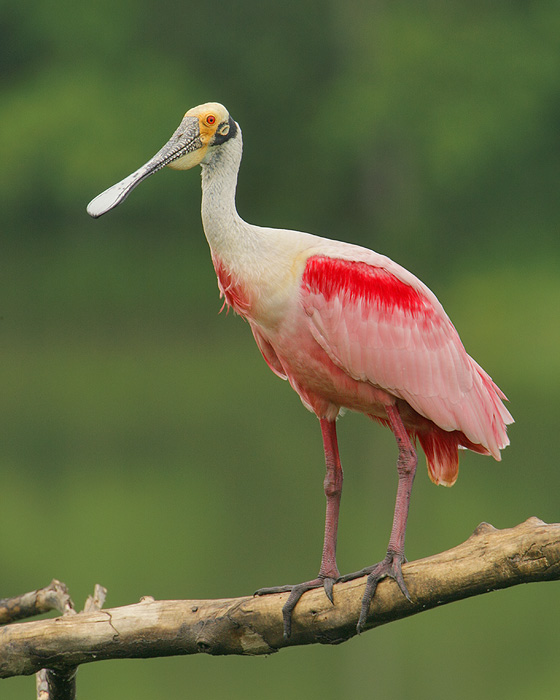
53 684
42 685
53 597
57 684
490 559
97 600
60 684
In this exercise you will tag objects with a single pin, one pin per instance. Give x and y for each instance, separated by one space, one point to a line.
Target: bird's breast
236 293
264 287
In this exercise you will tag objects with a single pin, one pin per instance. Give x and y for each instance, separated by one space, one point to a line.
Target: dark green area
145 445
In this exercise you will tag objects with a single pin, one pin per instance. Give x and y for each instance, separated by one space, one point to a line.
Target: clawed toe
390 567
296 592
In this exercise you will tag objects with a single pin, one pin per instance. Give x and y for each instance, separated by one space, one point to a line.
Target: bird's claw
390 567
328 585
296 592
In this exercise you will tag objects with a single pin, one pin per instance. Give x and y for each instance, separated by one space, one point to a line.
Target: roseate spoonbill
348 328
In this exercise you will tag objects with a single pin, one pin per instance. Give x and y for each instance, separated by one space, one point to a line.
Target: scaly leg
328 573
391 566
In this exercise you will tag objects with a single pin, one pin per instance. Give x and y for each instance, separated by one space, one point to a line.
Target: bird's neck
220 219
255 266
245 259
234 244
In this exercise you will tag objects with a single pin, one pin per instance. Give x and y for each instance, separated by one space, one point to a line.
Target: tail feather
442 453
491 412
484 419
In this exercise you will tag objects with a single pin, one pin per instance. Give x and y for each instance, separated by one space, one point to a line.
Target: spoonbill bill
348 328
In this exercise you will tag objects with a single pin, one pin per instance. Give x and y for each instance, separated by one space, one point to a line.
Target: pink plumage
366 335
348 328
394 334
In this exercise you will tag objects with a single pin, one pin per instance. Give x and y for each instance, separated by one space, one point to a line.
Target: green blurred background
145 444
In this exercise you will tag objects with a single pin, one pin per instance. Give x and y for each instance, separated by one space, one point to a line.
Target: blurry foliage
145 443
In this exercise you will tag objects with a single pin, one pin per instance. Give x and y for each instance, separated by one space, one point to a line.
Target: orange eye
210 119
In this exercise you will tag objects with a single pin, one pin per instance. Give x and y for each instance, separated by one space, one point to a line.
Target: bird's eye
210 119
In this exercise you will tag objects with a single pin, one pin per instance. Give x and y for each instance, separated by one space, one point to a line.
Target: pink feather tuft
233 292
442 453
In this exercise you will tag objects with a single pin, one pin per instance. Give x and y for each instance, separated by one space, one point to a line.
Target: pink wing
381 325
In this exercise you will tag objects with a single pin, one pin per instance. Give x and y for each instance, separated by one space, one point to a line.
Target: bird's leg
328 572
333 492
391 566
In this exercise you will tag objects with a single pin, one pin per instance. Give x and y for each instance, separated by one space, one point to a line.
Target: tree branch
53 597
490 559
53 683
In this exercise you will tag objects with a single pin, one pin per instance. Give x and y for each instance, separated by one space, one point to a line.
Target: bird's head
201 129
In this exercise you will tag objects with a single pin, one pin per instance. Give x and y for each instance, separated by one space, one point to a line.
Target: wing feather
380 324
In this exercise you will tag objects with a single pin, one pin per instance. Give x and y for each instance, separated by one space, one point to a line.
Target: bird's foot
296 591
390 567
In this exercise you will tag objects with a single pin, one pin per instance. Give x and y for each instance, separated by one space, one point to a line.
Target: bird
349 329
